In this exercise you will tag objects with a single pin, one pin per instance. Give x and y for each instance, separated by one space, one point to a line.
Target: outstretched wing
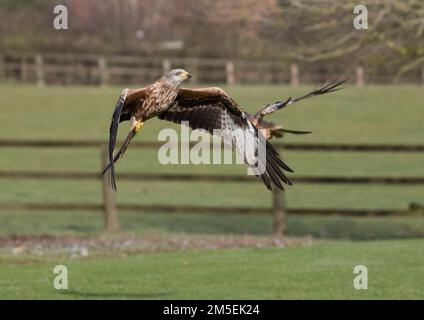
213 110
327 88
125 107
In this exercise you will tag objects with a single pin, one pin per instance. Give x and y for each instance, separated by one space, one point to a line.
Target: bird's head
177 76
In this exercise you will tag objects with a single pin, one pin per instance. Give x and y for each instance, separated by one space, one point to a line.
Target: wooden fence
278 208
68 69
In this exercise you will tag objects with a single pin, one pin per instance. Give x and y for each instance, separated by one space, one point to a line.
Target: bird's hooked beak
187 75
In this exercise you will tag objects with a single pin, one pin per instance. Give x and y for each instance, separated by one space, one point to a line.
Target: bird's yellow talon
138 126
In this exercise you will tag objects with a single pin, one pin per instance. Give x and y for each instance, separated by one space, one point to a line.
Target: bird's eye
179 73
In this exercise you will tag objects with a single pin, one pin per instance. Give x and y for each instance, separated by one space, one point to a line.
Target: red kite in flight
210 109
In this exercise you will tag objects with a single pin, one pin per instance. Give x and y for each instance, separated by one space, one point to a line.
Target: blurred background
260 40
358 176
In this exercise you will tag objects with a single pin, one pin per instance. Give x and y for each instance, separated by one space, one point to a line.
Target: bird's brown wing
127 104
133 101
212 109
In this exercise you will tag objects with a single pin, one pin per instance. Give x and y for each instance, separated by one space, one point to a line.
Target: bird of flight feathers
270 129
210 109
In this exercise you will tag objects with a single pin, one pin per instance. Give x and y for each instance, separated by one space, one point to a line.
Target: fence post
109 197
279 208
230 72
294 75
193 71
166 66
422 75
24 69
2 67
280 218
103 74
360 81
39 70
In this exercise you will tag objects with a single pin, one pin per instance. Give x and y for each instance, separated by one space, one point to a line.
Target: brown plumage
210 109
272 129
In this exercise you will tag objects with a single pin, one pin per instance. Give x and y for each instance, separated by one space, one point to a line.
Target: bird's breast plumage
160 96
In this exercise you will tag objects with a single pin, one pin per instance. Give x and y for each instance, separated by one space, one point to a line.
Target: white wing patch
246 141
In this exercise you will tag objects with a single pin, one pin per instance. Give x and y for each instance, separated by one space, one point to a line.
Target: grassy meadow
319 271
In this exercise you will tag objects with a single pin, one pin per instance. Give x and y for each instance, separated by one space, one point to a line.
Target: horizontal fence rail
209 209
278 209
154 144
206 177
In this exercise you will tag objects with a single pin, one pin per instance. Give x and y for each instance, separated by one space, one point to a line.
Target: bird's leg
136 125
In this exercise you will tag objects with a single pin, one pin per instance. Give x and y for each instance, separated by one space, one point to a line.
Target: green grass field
374 114
319 271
